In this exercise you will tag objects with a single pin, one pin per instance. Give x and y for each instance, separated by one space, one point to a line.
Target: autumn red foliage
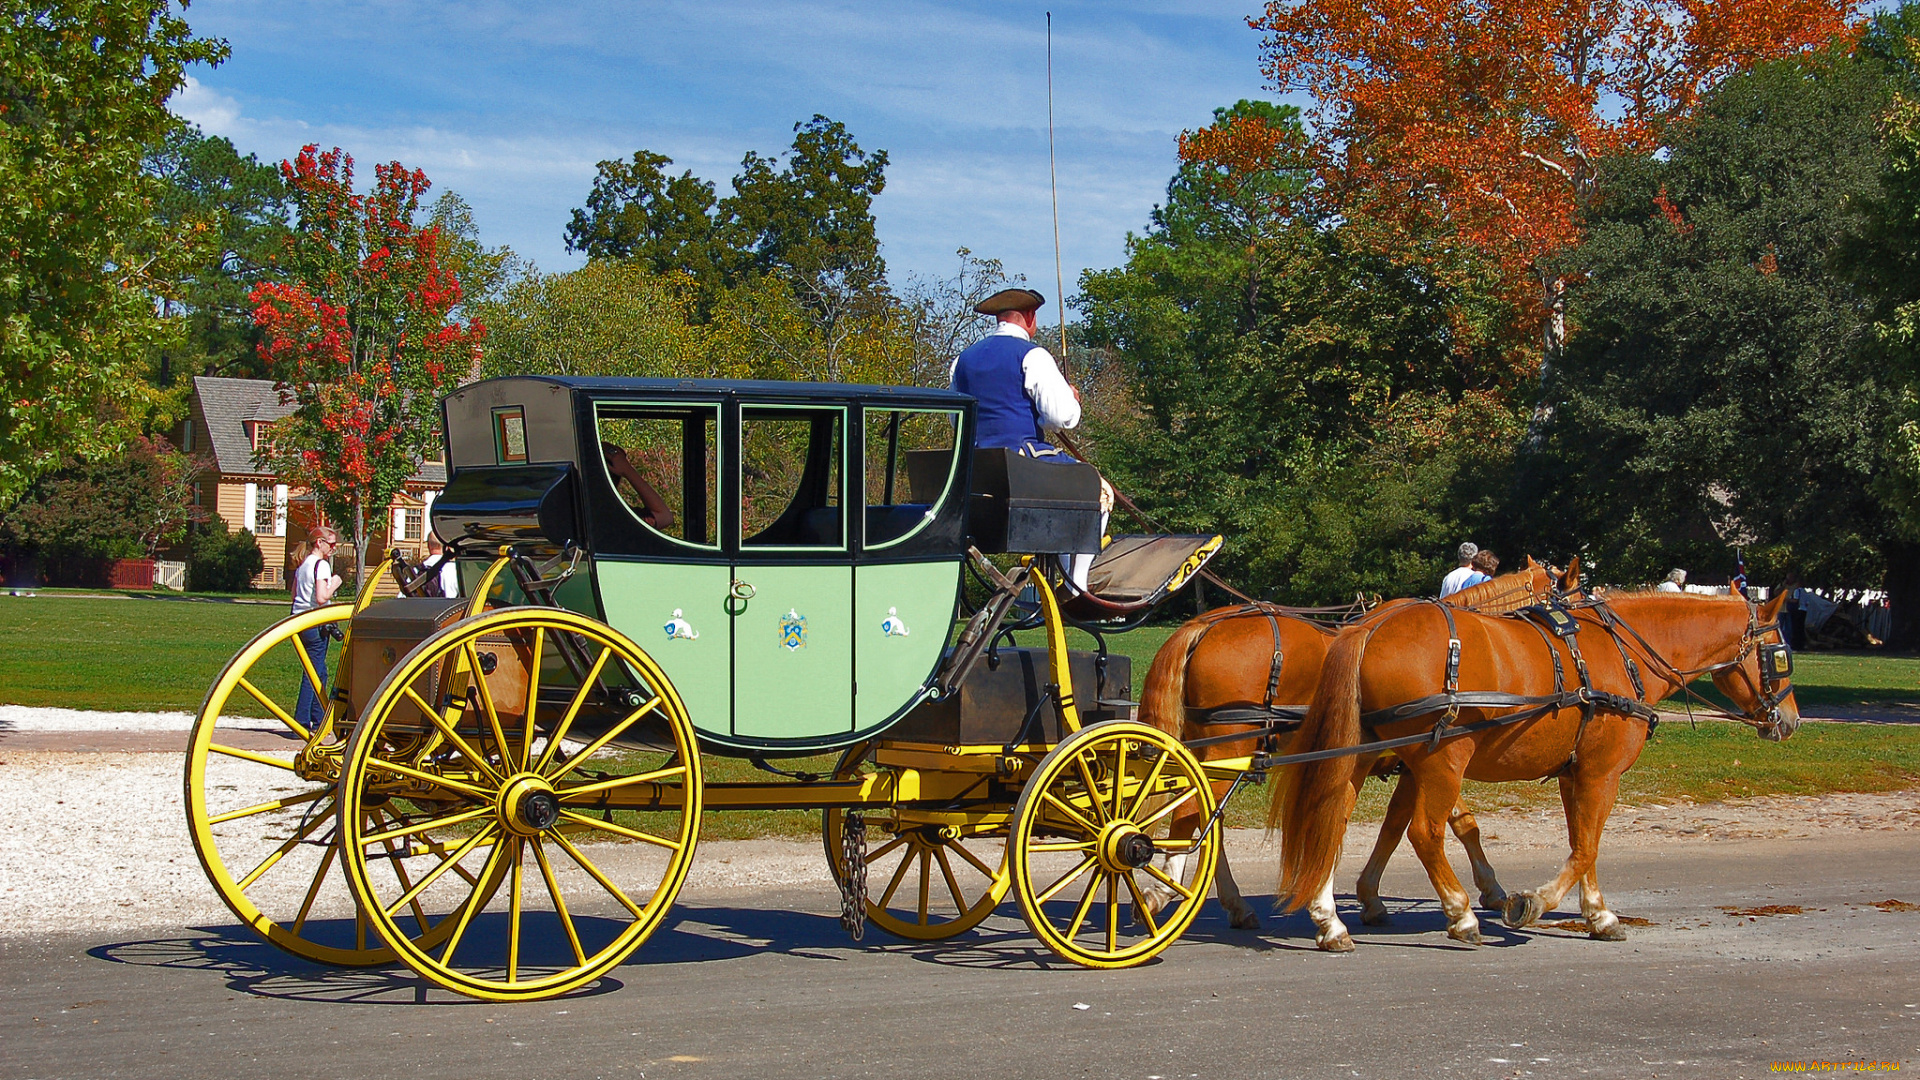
364 340
1488 118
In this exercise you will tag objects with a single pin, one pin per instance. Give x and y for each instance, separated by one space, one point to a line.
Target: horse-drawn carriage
788 585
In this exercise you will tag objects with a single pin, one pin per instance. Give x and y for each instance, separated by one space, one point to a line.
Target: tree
483 272
607 318
83 92
807 219
361 339
1293 373
1487 119
243 205
124 507
1721 386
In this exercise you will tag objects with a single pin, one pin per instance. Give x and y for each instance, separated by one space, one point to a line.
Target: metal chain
853 874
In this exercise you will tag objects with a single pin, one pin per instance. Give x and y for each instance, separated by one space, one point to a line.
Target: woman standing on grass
314 584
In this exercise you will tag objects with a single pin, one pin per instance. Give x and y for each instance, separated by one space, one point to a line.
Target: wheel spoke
953 886
431 823
1166 811
273 706
469 790
898 876
606 737
313 890
276 804
573 710
451 862
486 703
1093 788
1113 913
280 852
1055 889
1146 787
559 902
466 750
620 830
513 912
620 781
960 849
1141 909
1119 776
248 755
594 872
472 907
926 868
1061 845
1071 812
878 853
1086 904
400 873
1185 893
533 692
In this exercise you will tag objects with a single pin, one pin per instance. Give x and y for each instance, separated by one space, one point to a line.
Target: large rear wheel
491 751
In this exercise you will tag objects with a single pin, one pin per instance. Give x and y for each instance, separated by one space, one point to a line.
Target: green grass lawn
160 654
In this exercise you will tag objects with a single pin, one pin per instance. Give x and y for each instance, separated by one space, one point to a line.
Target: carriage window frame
716 449
509 418
939 504
740 536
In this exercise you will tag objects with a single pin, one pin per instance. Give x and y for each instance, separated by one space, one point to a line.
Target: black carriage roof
601 386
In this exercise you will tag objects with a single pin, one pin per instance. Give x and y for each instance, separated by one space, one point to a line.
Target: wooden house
225 425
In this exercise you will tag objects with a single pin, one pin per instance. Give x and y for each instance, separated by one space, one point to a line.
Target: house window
263 515
410 525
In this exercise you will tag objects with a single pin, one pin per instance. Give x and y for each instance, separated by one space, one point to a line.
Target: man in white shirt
1463 575
1021 392
441 563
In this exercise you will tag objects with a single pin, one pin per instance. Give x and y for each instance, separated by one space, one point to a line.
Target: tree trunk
359 543
1903 595
1553 335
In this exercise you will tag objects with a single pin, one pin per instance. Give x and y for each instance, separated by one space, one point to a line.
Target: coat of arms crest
793 630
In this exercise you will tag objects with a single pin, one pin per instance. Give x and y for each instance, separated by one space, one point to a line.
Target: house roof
228 404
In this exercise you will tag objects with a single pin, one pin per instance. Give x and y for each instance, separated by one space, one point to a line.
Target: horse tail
1311 801
1163 701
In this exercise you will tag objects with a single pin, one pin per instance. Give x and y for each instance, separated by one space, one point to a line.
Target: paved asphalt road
764 984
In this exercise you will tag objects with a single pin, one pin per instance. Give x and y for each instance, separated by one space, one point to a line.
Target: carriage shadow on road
707 933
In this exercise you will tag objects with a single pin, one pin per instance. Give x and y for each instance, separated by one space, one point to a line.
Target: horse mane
1508 592
1607 593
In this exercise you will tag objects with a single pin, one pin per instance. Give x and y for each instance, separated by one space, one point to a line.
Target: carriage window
662 461
909 465
792 484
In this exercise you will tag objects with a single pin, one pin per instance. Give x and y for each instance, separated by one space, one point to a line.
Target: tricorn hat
1010 300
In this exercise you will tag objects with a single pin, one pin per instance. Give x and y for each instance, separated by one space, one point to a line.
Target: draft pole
1053 176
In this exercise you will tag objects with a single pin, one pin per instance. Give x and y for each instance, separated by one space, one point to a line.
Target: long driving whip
1053 177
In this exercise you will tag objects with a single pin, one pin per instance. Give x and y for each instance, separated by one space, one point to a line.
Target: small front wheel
1088 830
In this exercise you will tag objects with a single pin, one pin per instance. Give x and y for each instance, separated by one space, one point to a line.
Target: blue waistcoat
991 371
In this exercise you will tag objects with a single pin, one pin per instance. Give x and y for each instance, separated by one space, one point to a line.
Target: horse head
1759 682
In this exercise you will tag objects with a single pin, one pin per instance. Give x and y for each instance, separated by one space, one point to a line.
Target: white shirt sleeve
449 578
1052 397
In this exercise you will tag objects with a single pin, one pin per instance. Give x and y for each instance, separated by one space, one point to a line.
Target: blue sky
512 105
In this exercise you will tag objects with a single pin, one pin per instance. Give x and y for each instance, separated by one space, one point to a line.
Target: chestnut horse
1388 678
1233 669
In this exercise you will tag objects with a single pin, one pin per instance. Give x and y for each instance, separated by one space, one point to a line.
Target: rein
1766 713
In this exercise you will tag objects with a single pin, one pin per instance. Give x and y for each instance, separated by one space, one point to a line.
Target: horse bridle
1776 667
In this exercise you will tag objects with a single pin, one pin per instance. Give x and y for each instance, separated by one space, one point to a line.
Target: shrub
223 561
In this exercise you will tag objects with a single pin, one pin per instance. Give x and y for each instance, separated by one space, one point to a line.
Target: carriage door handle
738 593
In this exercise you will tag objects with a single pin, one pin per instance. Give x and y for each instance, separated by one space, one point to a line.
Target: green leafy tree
206 183
1721 387
638 212
124 507
1269 350
607 318
362 339
483 272
83 95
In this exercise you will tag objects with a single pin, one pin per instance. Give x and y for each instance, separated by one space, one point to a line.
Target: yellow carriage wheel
1088 837
503 749
927 881
261 798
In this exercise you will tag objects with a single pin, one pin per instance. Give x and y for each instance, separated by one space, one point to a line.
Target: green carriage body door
902 615
677 612
793 653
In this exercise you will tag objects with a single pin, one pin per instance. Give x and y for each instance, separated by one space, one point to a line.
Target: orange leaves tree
1487 118
362 339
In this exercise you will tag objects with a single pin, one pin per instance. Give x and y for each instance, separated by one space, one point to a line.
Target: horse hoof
1246 920
1376 918
1341 943
1467 937
1523 909
1615 932
1493 901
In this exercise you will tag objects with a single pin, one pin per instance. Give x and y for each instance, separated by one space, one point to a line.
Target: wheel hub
1124 847
527 805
